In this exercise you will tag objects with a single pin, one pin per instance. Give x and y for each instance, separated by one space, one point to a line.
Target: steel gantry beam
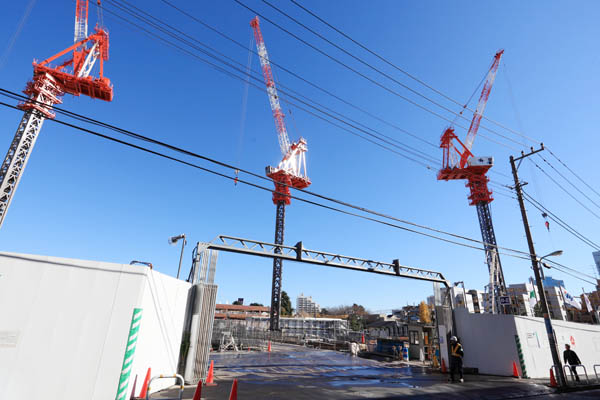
299 253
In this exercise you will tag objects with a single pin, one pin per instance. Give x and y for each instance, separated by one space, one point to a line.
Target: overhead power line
299 77
559 221
562 188
235 178
128 133
383 86
387 140
411 76
572 172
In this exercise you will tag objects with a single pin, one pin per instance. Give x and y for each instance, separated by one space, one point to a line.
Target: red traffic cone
198 392
362 339
515 370
133 388
233 394
552 378
145 385
269 348
443 366
211 375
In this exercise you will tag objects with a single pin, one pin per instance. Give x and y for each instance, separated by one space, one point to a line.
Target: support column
277 268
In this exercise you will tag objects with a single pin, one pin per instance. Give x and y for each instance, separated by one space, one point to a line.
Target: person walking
456 359
571 358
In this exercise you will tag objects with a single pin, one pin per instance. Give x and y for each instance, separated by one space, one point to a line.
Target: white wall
488 341
64 325
536 351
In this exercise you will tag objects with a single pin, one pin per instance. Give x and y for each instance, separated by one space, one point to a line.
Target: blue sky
82 197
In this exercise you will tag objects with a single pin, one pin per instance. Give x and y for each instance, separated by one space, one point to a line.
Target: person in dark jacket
456 359
571 358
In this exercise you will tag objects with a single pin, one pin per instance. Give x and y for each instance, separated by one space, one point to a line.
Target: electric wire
571 171
128 133
559 221
520 255
562 188
299 77
567 180
382 86
354 124
411 76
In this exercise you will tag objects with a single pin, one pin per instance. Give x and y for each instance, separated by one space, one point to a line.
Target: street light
175 239
464 293
553 254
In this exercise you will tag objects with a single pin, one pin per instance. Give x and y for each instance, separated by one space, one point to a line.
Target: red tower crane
48 85
459 163
291 171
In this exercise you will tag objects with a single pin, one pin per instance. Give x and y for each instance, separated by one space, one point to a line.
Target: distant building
409 314
551 282
520 295
596 255
306 306
231 311
556 303
477 301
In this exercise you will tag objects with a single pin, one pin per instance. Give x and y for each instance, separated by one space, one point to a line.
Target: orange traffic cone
269 348
515 371
443 366
145 385
233 394
552 378
198 392
211 376
132 397
362 339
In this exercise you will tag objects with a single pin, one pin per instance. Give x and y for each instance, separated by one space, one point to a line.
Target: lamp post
464 293
553 254
175 239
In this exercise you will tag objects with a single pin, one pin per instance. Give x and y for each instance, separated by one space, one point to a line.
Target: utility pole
536 268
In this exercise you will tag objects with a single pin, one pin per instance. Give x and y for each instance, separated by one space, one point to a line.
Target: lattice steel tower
45 90
291 172
459 163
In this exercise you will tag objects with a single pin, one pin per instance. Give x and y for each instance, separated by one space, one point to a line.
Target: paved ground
294 372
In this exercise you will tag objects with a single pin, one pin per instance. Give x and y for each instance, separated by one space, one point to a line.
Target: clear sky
82 197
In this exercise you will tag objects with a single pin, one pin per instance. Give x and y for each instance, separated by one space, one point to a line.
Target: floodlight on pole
175 239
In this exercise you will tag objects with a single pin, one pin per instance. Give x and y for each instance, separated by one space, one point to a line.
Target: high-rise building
551 282
556 303
306 305
523 298
596 255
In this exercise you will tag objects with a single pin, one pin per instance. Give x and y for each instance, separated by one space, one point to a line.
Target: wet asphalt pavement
295 372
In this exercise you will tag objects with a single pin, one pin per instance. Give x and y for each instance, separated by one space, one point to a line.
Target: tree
356 322
256 304
324 311
424 313
238 303
286 304
537 310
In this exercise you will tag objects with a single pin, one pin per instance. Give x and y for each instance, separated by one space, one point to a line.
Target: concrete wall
64 326
536 351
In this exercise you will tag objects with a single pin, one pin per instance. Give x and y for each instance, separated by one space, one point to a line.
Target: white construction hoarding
65 324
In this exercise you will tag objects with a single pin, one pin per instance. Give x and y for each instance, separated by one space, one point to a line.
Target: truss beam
299 253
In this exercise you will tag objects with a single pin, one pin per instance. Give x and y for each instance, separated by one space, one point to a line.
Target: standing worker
571 358
456 359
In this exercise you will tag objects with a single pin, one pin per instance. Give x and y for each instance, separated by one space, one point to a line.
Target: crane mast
459 163
45 90
291 171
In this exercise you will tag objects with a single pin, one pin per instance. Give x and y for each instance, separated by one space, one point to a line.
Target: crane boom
284 141
45 90
485 95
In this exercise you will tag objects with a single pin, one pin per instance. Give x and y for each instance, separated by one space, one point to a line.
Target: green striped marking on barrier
129 353
521 359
